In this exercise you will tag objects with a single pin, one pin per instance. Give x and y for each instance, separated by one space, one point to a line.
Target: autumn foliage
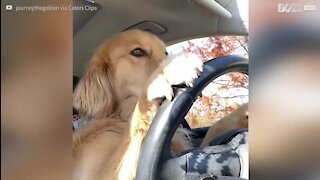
224 94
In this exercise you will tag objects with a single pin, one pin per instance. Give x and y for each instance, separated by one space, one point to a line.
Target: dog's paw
159 88
176 70
183 69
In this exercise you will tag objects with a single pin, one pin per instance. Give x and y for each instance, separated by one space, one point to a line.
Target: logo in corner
289 8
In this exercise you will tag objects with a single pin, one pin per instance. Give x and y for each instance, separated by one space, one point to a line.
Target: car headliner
181 19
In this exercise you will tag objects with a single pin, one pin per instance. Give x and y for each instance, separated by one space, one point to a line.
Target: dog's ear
94 95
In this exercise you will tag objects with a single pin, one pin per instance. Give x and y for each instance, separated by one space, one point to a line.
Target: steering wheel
156 148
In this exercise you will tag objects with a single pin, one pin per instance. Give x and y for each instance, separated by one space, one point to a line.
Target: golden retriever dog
236 119
126 81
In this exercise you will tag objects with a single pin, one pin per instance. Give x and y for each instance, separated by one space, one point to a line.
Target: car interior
173 22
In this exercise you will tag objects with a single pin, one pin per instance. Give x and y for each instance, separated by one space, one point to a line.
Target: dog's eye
166 53
138 52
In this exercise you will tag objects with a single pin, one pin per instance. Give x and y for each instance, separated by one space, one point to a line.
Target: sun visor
238 23
214 7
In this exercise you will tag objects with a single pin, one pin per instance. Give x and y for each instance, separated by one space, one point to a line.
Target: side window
226 93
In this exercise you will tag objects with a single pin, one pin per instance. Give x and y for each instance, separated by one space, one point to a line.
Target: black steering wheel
156 148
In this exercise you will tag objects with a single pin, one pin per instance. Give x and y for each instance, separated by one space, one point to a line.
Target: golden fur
122 93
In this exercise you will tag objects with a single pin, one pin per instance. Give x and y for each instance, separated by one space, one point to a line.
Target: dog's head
119 69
